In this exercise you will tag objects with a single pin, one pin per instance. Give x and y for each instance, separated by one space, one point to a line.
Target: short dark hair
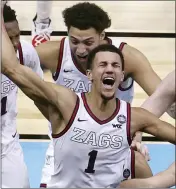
86 15
9 14
104 48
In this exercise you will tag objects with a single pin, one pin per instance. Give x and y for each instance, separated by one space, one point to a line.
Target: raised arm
160 101
23 76
143 120
163 97
32 85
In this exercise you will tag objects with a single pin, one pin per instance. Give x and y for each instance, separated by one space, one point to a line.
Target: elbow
9 72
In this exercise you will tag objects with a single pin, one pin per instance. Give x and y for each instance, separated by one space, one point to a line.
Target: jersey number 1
3 105
90 167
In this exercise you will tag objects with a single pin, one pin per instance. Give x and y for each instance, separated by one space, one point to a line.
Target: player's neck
100 107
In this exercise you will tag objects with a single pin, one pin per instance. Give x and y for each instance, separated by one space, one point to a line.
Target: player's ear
102 35
123 76
89 74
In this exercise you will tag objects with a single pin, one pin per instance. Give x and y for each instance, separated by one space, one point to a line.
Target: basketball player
66 59
164 179
14 170
41 28
92 131
161 100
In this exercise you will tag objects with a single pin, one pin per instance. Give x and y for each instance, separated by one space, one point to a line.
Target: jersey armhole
60 57
69 124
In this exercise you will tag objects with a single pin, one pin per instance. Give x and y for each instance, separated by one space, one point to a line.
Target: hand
138 146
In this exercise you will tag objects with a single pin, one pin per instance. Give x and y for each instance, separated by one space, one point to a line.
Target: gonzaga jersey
69 74
91 152
27 56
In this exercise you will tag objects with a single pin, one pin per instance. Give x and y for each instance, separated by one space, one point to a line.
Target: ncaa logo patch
126 173
121 119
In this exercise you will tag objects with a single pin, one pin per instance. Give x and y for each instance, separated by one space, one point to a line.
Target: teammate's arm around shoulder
143 120
139 67
163 97
48 53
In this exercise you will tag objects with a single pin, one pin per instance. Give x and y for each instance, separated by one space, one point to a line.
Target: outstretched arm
32 85
160 101
163 97
164 179
23 76
143 120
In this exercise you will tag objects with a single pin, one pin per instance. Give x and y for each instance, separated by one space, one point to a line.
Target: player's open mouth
108 82
82 57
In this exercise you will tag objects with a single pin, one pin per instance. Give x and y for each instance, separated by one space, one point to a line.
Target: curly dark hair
104 48
86 15
9 14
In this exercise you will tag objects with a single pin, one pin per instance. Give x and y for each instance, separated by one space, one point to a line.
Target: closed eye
116 65
88 43
103 64
74 42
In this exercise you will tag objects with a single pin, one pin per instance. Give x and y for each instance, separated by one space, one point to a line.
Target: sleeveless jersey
27 55
91 152
68 74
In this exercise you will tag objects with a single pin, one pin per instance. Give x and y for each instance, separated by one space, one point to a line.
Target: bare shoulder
138 116
142 116
48 53
138 113
134 59
49 47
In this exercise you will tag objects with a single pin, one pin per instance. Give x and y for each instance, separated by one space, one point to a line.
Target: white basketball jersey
93 153
70 75
27 56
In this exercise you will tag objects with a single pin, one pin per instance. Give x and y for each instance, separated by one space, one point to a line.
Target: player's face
106 74
13 32
82 42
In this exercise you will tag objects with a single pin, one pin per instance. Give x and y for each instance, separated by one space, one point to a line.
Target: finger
133 144
147 153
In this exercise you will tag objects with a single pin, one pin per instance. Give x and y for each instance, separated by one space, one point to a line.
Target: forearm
163 97
23 76
29 83
155 105
162 180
